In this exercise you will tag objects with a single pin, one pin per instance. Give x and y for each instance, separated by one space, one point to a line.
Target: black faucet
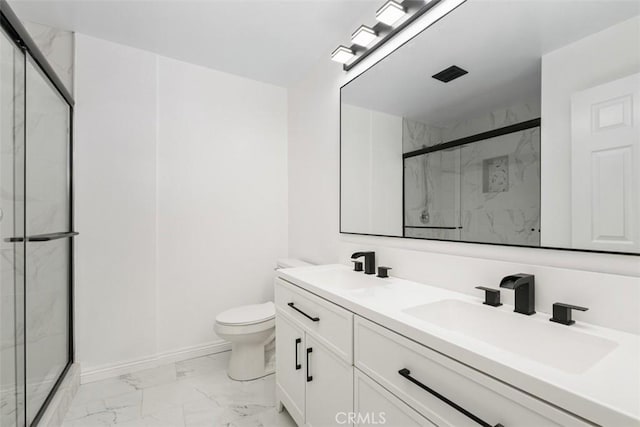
524 287
369 261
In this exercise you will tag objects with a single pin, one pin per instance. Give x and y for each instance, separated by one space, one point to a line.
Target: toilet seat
247 315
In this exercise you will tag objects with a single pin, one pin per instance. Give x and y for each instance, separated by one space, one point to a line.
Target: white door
290 367
605 126
329 382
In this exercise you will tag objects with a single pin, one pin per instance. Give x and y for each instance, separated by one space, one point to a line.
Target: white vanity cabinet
314 357
335 367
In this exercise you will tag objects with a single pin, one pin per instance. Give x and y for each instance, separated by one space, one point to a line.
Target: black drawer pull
298 341
315 319
407 374
309 377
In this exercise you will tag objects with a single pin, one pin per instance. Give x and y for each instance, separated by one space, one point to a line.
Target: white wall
181 201
222 197
597 59
115 203
608 284
372 184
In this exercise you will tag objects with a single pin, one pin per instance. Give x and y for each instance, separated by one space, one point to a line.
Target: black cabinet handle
309 377
298 341
315 319
407 374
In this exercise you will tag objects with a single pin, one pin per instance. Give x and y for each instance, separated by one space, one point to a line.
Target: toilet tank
291 263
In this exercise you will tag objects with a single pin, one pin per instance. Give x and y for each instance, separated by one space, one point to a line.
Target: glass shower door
36 223
48 246
11 233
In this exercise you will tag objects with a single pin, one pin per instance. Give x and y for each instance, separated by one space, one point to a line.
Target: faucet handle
383 271
491 296
562 313
357 265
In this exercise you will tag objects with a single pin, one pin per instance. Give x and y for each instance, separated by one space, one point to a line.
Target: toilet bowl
249 329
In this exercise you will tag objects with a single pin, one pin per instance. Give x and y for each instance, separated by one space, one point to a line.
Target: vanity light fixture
342 54
364 36
393 17
390 12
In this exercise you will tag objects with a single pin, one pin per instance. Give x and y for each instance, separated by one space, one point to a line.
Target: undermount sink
563 347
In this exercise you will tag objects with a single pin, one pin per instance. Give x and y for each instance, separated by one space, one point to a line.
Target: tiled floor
195 392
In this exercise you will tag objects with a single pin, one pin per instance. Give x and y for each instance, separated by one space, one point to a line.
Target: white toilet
250 329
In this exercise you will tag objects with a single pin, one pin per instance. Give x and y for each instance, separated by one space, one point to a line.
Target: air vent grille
449 74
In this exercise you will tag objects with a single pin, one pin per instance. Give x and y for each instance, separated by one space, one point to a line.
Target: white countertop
607 393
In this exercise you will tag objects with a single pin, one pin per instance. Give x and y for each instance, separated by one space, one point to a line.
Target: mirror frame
385 57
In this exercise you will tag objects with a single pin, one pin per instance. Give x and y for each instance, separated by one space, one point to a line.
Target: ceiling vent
449 74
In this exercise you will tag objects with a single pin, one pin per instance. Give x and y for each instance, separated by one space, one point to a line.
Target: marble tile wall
510 212
447 189
432 195
58 47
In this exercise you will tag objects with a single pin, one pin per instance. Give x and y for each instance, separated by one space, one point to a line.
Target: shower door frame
14 29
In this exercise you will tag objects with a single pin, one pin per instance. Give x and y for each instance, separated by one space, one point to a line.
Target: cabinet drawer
373 405
330 324
383 354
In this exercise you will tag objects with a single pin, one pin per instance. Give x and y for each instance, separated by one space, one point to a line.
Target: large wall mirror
506 122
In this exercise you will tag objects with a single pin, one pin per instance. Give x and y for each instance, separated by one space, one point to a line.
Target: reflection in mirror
506 122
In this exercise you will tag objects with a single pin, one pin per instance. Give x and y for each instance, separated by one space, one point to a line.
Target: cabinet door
329 381
374 405
290 367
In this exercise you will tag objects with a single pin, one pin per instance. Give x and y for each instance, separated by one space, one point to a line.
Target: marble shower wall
432 195
500 189
58 46
488 191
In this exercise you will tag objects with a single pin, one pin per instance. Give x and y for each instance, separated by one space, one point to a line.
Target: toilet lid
247 314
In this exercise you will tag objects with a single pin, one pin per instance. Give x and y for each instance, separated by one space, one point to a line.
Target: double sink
533 337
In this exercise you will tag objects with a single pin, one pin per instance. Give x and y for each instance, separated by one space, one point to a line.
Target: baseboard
122 368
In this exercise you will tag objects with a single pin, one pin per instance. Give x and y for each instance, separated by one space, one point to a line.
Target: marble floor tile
151 377
190 393
203 365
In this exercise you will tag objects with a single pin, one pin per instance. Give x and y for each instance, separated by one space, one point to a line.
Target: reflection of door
605 126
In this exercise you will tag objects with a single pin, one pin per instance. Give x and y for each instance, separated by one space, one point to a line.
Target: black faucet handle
491 296
383 272
562 313
357 265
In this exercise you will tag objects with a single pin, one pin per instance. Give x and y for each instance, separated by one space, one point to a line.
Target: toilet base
247 362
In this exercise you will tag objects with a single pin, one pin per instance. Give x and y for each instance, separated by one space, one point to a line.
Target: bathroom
201 200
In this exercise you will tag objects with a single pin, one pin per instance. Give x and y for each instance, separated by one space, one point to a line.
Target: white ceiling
274 41
499 42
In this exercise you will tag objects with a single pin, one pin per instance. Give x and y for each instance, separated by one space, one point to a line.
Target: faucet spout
524 287
369 261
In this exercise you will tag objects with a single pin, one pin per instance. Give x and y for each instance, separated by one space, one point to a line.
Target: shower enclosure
36 228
